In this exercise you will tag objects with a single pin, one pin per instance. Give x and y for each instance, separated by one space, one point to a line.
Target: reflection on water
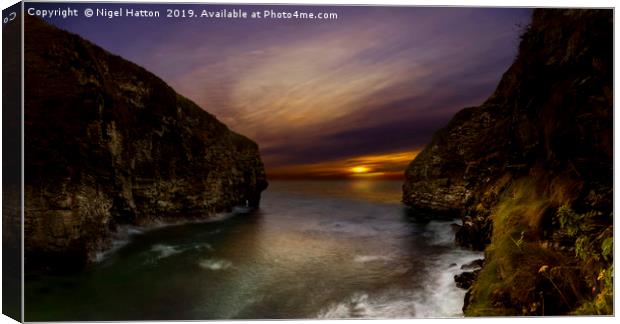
315 249
366 189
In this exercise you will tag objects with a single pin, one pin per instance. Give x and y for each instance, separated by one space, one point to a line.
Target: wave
165 251
438 298
370 258
361 305
215 264
440 233
122 236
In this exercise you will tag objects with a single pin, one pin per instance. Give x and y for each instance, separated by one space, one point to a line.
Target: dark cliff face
108 143
543 140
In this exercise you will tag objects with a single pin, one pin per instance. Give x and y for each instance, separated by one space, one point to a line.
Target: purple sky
374 81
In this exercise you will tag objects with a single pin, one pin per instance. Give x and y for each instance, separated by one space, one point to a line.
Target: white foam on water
159 223
440 232
116 244
122 236
440 296
215 264
134 230
370 258
206 246
361 305
165 251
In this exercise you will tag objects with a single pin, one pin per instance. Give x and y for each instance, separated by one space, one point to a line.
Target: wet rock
467 300
466 279
476 264
474 234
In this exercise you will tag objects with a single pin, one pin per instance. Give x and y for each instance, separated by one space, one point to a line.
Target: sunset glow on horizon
327 98
360 169
389 165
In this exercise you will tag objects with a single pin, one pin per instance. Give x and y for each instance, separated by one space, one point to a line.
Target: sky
359 95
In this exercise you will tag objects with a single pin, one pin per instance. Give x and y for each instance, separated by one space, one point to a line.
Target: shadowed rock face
551 113
109 143
544 139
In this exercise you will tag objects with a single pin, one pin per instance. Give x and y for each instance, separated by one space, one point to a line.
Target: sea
315 249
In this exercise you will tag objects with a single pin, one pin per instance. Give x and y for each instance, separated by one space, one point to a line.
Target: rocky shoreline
530 173
110 144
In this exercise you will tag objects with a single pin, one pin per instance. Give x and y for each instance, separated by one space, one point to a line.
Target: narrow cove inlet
373 163
314 249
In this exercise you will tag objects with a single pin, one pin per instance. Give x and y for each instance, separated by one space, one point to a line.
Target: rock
543 139
474 234
550 116
467 300
466 279
108 143
476 264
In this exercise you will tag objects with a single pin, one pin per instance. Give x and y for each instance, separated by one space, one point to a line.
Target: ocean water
314 249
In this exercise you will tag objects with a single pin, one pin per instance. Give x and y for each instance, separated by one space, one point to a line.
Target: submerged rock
109 143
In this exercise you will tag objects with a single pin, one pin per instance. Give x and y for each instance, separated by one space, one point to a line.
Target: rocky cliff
108 143
530 172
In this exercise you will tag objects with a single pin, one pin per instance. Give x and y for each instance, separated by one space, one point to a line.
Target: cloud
356 88
375 81
381 165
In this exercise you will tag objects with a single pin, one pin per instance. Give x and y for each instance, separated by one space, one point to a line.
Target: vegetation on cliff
108 143
530 172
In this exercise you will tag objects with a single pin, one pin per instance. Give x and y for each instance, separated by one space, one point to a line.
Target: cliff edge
530 172
108 143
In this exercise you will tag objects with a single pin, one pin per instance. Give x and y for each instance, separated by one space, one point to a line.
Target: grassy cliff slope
530 172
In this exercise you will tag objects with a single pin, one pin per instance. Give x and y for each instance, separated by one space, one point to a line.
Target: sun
359 169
